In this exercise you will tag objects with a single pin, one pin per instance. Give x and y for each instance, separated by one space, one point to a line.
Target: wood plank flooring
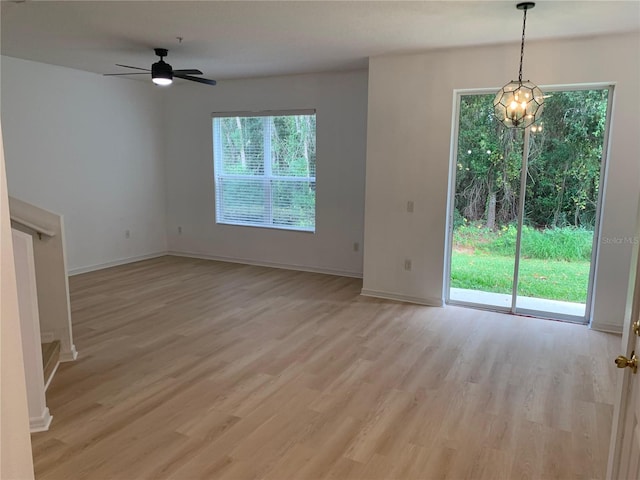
193 369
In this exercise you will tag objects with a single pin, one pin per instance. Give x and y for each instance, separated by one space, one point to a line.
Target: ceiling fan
162 73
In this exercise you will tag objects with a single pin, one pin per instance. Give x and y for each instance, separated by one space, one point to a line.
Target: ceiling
235 39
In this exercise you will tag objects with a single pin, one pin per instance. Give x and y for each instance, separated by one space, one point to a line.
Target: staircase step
50 359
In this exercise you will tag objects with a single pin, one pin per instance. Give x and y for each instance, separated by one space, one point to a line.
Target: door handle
624 362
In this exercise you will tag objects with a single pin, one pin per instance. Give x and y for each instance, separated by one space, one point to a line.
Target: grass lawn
550 279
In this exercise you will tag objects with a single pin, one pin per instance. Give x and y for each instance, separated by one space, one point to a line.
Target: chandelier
519 103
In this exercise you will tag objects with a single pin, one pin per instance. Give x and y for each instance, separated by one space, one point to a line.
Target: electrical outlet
127 234
179 230
410 206
407 264
356 246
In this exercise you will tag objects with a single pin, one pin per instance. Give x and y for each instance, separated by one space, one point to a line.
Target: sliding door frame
457 95
451 201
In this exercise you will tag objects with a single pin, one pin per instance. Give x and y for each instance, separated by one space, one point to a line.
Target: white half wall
39 416
340 100
16 462
410 113
89 148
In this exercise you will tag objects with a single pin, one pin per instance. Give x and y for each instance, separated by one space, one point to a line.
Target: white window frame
268 176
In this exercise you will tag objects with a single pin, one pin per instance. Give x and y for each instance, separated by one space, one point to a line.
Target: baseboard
115 263
606 327
41 423
69 356
284 266
202 256
429 302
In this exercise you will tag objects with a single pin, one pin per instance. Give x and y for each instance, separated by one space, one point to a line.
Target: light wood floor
194 369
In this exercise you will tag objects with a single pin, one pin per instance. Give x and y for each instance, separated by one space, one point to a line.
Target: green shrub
458 219
568 243
472 235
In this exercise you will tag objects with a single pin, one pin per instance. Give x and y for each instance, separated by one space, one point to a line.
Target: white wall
91 149
340 101
15 444
408 153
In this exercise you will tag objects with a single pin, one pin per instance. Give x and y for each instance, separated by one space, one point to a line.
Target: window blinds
264 167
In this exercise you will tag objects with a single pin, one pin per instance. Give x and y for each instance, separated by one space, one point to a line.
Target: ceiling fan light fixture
162 81
162 73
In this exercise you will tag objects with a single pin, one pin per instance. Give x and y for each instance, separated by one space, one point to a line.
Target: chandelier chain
524 25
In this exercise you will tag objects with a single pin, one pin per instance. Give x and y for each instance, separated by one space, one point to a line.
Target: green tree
563 165
488 164
565 160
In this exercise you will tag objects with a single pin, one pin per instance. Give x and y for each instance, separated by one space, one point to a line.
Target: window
265 169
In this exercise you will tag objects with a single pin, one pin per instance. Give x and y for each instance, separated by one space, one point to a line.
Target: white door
624 454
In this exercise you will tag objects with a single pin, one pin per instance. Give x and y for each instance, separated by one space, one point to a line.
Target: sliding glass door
525 207
487 175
